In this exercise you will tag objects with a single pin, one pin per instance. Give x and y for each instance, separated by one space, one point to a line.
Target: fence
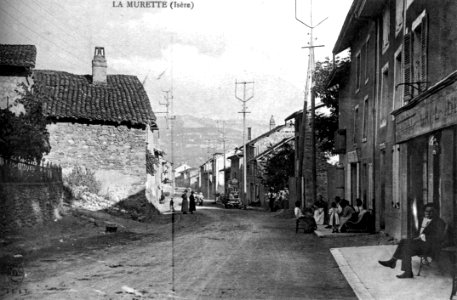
15 171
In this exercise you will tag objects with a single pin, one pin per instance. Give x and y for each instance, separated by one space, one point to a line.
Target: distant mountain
195 139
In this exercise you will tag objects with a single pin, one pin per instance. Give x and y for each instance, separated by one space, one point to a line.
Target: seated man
309 224
428 242
297 211
346 215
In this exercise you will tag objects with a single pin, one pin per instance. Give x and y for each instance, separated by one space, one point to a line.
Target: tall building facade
397 110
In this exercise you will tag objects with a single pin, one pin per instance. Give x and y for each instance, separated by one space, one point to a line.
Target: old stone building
396 109
104 123
255 147
16 66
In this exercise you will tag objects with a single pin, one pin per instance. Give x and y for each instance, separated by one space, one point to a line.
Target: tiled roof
122 100
18 55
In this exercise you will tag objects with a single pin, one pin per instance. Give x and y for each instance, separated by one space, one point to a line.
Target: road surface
215 253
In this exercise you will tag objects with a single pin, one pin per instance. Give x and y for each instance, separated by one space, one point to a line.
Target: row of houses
397 110
100 121
223 173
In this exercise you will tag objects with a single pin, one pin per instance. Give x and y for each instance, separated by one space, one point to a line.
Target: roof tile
18 55
122 100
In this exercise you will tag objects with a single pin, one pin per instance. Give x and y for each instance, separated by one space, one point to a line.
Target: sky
199 53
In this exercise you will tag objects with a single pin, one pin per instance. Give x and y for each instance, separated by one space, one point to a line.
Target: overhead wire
38 34
103 39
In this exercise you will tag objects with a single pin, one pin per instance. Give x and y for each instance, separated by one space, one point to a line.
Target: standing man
427 242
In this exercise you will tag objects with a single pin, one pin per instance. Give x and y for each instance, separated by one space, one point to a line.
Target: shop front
425 133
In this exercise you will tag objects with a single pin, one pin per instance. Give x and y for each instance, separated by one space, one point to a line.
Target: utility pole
170 117
223 139
309 92
208 173
244 112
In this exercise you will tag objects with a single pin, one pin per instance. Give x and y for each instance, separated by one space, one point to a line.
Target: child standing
334 217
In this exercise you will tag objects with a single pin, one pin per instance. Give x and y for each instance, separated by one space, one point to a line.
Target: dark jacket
434 235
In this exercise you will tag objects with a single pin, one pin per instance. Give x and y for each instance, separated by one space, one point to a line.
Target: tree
24 136
278 167
326 124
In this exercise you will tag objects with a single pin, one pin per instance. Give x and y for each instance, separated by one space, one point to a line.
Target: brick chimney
249 133
99 66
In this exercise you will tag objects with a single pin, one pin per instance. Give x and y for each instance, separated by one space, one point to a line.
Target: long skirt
185 205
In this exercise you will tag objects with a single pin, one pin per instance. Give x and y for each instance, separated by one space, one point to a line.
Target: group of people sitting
278 200
335 217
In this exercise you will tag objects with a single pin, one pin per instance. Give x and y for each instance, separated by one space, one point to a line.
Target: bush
84 178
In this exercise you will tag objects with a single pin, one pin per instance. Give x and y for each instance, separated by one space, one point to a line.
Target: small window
365 119
358 71
408 3
419 53
398 88
384 96
366 59
356 123
398 16
385 29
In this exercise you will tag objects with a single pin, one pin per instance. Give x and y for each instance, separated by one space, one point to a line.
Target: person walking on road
192 207
185 203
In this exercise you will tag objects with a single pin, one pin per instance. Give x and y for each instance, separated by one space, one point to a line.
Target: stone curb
351 277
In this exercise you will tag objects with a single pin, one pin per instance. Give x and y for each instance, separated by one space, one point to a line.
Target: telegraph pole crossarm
244 112
309 93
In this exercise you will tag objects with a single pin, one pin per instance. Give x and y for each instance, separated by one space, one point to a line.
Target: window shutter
424 46
407 67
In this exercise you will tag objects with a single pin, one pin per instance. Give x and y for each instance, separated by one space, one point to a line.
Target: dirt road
215 253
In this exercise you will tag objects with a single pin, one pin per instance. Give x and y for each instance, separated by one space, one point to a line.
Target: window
384 96
398 79
398 16
396 176
366 59
415 58
385 29
408 3
365 119
356 122
419 53
358 71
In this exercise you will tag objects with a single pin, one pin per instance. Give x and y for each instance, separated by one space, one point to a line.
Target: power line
103 40
57 23
35 32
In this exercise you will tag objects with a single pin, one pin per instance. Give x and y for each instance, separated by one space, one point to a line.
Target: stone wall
29 204
117 154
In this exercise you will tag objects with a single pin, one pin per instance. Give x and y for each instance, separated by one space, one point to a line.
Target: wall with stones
28 204
116 154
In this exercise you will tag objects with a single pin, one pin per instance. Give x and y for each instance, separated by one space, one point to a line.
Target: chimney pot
99 66
272 123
